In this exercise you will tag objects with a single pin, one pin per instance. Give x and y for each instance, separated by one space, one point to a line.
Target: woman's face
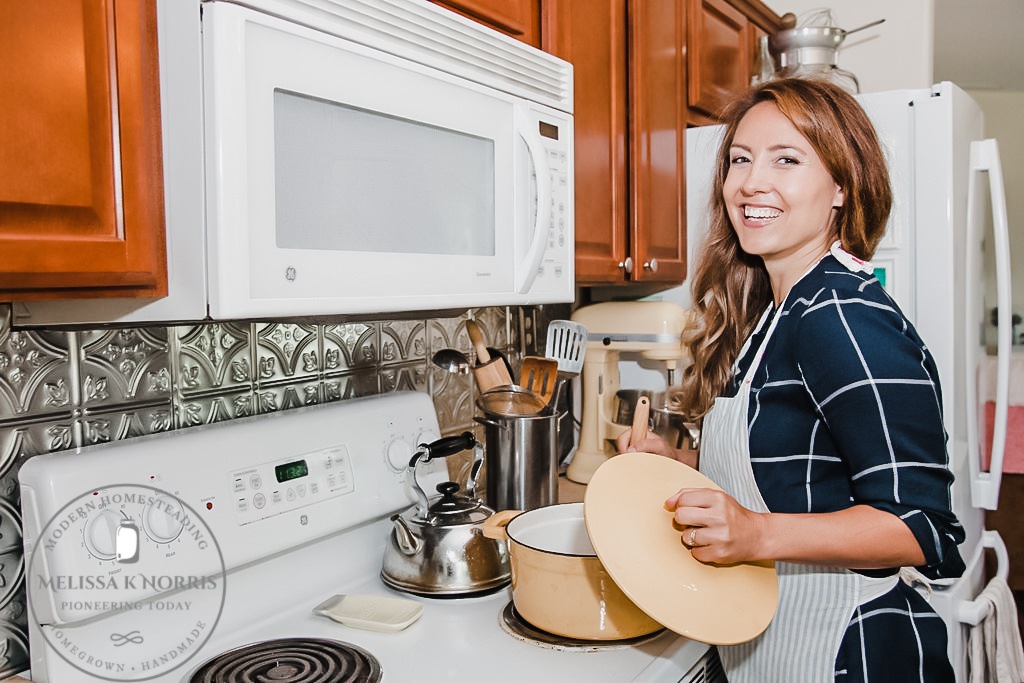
778 193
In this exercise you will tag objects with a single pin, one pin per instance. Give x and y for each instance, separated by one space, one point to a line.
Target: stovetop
257 555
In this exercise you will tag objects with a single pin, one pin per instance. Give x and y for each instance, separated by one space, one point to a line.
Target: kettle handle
441 448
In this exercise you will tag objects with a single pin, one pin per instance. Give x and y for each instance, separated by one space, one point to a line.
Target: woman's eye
738 159
788 161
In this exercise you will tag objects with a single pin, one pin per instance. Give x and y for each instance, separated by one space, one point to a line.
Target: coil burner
513 624
292 660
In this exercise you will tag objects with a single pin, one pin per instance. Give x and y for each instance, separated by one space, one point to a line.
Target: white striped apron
815 603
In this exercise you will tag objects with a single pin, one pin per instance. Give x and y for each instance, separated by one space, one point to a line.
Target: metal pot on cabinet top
437 547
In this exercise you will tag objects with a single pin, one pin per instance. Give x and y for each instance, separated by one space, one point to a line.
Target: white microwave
334 157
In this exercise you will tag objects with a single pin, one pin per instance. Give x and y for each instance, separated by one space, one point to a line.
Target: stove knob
399 453
101 534
164 519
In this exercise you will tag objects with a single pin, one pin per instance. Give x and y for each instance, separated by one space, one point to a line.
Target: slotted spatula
567 344
539 374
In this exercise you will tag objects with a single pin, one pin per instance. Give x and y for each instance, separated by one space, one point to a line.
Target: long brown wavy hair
730 287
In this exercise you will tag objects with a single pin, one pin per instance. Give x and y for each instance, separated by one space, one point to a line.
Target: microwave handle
531 263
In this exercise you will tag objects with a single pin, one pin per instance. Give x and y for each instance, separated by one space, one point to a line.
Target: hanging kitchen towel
995 651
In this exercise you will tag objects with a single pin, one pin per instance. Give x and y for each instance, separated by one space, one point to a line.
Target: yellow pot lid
640 547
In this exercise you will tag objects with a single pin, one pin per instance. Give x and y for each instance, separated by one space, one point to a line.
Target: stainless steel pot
522 460
437 547
558 583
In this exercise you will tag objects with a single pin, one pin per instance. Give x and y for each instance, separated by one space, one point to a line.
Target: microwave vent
437 38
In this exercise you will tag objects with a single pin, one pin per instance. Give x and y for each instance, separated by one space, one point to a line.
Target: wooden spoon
641 418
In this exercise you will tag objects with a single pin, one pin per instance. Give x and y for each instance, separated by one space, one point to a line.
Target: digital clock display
291 470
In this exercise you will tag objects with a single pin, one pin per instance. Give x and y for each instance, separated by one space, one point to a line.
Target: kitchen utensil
813 51
510 400
641 418
642 550
649 330
498 353
370 612
489 372
452 360
436 547
559 584
539 375
521 452
567 344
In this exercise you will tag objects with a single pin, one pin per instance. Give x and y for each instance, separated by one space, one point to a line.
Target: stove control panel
286 484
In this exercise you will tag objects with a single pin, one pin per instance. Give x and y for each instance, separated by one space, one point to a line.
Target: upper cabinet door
592 34
720 57
518 18
658 107
81 181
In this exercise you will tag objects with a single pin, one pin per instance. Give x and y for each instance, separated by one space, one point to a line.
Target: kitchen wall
62 390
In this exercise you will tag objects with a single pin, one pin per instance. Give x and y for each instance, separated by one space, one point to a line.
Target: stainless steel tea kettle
437 546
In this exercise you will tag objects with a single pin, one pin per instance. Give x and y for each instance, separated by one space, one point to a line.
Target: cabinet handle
651 265
627 265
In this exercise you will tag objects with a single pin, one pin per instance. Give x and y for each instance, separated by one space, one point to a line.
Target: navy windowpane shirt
845 409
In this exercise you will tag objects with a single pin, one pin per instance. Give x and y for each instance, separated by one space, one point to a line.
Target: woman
820 405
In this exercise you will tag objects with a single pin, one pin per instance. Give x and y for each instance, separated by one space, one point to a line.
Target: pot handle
494 526
485 421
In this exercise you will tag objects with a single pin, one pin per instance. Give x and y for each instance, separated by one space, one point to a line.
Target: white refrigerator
949 203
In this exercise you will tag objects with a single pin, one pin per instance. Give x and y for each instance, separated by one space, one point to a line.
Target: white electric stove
147 558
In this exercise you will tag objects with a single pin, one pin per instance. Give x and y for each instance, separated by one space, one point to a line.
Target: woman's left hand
718 529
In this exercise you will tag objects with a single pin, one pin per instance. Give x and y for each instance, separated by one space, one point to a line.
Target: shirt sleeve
877 390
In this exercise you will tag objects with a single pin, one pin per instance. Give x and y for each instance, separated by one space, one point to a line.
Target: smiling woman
820 405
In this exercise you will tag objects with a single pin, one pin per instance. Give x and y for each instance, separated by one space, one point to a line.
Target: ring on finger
693 536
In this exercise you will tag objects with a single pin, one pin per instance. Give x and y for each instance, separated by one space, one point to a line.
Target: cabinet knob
627 265
651 265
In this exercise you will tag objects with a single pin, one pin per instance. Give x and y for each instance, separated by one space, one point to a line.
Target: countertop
569 491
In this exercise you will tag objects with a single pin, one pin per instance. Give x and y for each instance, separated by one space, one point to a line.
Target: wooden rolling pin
489 372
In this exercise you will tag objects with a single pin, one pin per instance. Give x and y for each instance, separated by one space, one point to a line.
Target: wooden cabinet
643 71
81 182
630 115
720 63
723 40
520 19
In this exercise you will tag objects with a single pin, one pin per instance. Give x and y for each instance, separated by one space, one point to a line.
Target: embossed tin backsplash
64 389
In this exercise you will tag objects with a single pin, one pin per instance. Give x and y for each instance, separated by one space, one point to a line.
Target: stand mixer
649 329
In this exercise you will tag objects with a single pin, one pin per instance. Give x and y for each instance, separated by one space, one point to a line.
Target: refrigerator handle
973 611
984 158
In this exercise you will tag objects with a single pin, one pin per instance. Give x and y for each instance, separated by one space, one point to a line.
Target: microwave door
345 180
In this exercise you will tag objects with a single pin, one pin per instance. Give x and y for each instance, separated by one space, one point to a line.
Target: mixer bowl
667 423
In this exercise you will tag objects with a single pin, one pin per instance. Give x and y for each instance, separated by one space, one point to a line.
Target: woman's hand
719 530
653 443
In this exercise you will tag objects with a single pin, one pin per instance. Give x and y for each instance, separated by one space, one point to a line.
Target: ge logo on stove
126 583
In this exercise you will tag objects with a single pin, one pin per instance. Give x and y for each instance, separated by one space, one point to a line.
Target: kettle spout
407 542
